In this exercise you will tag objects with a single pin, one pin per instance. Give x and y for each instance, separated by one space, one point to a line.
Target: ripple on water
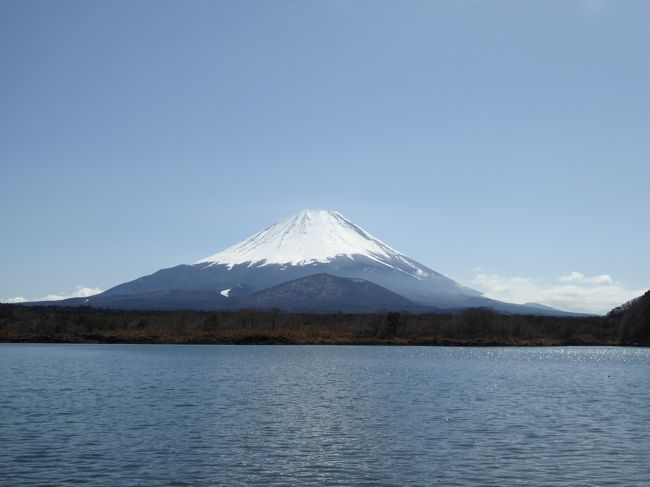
274 415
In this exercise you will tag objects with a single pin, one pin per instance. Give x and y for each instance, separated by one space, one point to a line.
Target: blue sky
502 143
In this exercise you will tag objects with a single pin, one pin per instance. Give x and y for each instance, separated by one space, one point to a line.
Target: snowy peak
308 237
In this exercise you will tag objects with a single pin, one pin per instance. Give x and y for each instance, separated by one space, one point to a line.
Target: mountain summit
311 236
303 262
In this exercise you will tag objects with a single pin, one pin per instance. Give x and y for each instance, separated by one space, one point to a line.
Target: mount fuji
315 260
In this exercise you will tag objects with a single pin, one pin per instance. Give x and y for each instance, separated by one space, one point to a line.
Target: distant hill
323 293
634 319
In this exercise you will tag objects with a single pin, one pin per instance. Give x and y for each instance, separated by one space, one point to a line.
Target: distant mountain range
314 261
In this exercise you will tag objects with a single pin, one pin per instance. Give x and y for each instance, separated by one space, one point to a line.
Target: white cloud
573 292
79 292
579 277
17 299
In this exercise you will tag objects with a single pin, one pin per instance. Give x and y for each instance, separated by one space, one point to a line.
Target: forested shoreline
623 326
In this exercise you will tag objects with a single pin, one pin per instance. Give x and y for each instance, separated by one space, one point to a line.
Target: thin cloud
79 292
572 292
579 277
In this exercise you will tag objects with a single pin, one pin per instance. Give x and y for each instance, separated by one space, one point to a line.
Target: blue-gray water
119 415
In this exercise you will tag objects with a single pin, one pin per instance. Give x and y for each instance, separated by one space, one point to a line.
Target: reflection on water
274 415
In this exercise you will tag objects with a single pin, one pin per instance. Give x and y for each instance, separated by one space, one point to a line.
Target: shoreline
286 340
475 327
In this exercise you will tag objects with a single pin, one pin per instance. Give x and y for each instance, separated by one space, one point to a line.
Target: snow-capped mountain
310 243
311 236
317 241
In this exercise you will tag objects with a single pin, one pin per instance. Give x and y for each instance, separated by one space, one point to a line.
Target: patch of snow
310 237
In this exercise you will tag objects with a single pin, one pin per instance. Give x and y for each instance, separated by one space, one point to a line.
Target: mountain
326 293
308 243
311 242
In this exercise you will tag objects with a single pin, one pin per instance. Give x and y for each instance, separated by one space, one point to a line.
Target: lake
180 415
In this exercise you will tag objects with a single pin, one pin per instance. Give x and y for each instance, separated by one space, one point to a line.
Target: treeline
633 319
471 327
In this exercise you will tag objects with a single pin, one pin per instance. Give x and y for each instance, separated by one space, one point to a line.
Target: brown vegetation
471 327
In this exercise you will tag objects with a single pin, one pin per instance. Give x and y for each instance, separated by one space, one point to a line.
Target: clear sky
505 144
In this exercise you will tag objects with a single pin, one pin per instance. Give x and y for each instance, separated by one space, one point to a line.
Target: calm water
119 415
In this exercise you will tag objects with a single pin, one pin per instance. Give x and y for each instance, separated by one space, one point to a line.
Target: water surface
172 415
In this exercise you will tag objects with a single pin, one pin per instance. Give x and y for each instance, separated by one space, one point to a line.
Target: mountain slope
163 299
319 293
312 236
326 293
